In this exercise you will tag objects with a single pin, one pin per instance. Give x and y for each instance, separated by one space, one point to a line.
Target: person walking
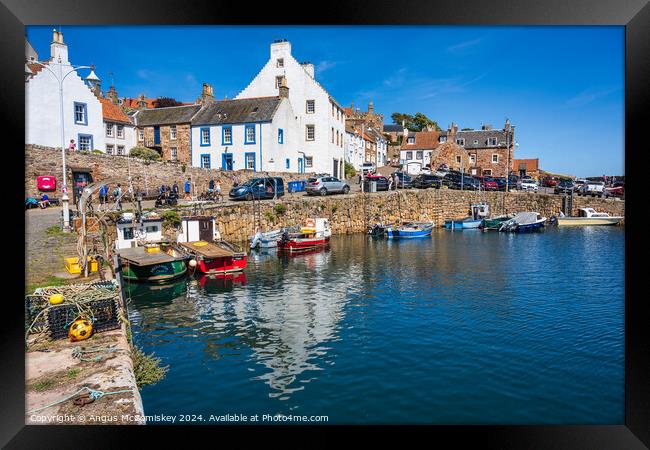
390 183
188 185
103 197
235 181
217 187
72 147
175 188
396 183
117 196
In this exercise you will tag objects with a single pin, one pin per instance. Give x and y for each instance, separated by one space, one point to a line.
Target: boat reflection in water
222 282
155 295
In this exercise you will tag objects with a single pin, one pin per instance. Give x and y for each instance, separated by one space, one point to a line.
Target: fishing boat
494 223
152 263
267 239
410 230
377 230
478 212
588 216
208 253
315 233
524 222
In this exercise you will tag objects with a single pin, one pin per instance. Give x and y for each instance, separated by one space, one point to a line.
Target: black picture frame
633 14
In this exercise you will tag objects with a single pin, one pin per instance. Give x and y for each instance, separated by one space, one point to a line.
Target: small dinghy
495 223
410 230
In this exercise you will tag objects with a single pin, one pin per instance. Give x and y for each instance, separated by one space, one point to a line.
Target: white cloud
463 45
589 95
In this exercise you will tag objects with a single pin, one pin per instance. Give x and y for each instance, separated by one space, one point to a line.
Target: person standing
117 194
103 197
72 147
188 185
390 182
218 189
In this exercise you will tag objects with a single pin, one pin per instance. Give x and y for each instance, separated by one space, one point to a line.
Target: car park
258 188
326 185
424 181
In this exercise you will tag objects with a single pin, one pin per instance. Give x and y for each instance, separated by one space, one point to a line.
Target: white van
367 167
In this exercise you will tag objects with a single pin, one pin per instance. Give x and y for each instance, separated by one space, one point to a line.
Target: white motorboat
268 239
588 216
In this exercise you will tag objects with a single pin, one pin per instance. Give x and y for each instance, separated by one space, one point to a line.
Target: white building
119 132
320 119
82 111
355 146
381 156
258 134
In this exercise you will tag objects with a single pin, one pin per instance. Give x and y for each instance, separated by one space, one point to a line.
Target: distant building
355 147
119 130
258 134
369 119
82 111
523 167
319 117
417 149
167 131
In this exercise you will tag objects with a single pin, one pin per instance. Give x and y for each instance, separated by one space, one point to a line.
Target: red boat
315 234
214 257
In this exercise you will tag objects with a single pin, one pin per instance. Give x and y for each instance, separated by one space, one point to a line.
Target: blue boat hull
462 224
402 234
529 227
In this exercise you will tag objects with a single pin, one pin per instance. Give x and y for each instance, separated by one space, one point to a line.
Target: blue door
156 135
301 168
226 161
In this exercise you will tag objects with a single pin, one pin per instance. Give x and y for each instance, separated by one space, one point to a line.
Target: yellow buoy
200 244
56 299
80 329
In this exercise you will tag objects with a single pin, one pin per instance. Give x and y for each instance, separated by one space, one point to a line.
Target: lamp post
508 150
60 78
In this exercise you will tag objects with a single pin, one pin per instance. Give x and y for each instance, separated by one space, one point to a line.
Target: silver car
326 185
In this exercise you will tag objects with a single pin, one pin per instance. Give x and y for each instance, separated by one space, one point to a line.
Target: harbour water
465 327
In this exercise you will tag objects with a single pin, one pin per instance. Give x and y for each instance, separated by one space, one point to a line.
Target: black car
424 181
564 187
382 183
263 187
405 180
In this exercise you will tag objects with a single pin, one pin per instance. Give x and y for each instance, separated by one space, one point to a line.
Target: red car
382 181
549 182
489 184
616 190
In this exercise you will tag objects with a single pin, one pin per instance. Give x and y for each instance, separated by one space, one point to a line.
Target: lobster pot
103 310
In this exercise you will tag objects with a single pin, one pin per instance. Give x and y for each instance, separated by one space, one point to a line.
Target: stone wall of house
352 214
146 176
484 160
182 141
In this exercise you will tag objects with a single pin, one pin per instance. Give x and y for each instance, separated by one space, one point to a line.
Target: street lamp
60 77
508 150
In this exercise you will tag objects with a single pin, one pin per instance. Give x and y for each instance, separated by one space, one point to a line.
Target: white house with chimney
82 111
320 119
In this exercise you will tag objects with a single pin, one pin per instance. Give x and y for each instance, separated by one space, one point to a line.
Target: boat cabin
590 212
479 211
319 226
131 232
198 228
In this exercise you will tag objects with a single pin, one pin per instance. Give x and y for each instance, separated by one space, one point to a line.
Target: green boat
495 223
158 263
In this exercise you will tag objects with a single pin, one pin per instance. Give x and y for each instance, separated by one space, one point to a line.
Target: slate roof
393 128
113 113
482 136
166 116
245 110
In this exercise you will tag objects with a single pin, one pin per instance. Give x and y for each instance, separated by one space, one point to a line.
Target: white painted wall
302 87
414 164
128 141
354 149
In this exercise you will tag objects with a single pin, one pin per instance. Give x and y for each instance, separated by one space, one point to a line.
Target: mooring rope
78 352
92 393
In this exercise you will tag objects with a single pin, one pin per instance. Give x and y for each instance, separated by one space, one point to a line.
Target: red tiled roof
112 112
35 68
424 140
347 111
135 102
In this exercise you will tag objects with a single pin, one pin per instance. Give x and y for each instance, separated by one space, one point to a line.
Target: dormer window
460 141
475 141
492 141
410 140
442 139
279 62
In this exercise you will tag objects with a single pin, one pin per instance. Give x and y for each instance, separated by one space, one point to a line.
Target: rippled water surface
465 327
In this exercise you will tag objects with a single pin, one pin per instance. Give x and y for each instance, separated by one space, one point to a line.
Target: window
85 142
172 132
418 154
487 172
495 158
476 142
151 228
249 137
311 106
288 163
472 159
80 114
457 159
141 135
409 155
110 149
309 161
226 136
249 161
128 233
120 150
205 161
311 132
492 141
109 130
120 131
332 135
205 137
460 141
279 62
442 139
278 82
281 136
410 140
174 153
333 110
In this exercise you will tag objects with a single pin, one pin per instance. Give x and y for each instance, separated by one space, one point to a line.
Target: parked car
326 185
564 187
382 182
527 184
405 180
593 188
616 190
489 184
259 188
424 181
549 182
578 184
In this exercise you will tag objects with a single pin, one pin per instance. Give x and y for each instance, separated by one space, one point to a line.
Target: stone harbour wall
147 176
353 213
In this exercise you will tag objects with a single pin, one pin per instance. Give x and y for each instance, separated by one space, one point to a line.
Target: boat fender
200 244
192 262
56 299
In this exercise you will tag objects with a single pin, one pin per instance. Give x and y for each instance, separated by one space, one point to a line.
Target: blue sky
562 87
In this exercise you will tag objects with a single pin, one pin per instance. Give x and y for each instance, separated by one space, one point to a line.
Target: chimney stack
284 89
58 49
371 108
207 94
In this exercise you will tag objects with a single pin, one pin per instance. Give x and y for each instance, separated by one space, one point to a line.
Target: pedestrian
396 184
235 181
217 187
45 201
390 183
72 147
175 188
187 189
117 195
103 197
